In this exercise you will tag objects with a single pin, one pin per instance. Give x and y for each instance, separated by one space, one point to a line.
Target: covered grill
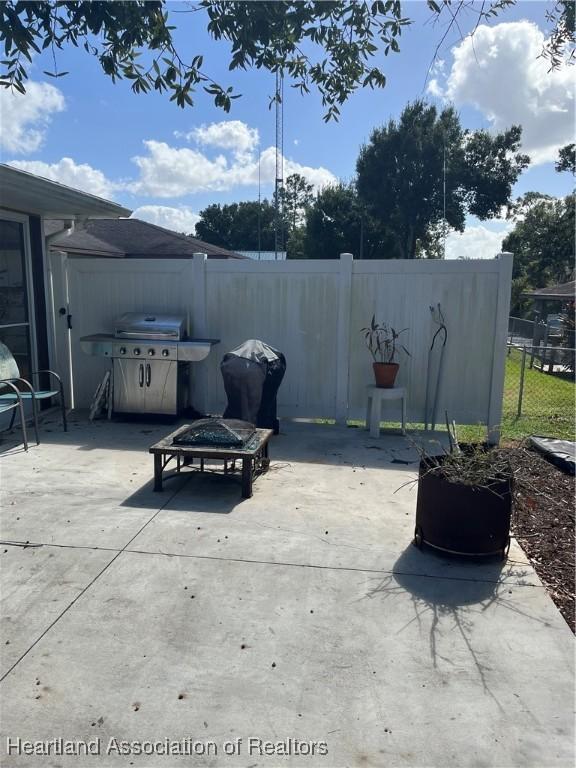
150 354
252 374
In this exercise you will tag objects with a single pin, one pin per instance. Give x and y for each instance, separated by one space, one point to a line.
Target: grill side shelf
99 344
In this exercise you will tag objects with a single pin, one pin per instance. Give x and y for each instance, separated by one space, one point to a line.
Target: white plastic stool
376 395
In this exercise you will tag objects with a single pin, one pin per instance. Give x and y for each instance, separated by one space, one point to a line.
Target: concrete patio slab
38 583
297 516
385 671
70 489
301 613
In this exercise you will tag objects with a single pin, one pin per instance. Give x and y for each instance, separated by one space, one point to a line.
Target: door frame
59 332
23 219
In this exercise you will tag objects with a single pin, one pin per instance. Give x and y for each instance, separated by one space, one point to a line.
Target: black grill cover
252 375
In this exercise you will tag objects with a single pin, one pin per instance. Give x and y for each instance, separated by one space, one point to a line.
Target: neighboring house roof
132 239
264 255
562 292
88 245
27 193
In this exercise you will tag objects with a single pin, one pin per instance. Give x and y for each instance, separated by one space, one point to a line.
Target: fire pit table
253 455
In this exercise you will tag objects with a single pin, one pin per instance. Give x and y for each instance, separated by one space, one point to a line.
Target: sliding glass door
16 323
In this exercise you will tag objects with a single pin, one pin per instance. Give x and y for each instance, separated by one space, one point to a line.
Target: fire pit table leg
246 478
264 459
157 472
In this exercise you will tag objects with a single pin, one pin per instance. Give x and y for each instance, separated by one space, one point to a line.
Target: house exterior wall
313 312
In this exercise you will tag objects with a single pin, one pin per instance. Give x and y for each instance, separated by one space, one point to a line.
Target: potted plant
465 501
382 341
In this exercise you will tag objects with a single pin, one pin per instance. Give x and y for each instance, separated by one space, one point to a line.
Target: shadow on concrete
191 491
309 442
444 602
10 445
475 582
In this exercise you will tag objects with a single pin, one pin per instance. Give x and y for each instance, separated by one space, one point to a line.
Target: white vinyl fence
313 312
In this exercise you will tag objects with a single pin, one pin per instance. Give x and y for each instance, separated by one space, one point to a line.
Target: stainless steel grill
150 354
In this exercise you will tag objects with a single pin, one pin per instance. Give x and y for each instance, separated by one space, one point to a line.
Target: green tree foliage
295 244
322 44
559 46
542 242
337 222
297 197
401 170
235 226
567 159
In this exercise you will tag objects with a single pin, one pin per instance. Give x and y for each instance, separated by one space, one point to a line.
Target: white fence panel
313 312
102 289
292 306
400 293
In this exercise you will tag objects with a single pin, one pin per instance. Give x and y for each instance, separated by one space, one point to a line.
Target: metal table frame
253 455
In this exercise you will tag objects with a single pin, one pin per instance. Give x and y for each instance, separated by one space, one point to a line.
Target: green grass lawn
548 405
547 402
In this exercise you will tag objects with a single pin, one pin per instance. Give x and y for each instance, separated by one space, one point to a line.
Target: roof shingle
133 238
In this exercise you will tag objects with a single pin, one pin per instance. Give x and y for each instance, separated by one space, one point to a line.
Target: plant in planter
465 501
382 341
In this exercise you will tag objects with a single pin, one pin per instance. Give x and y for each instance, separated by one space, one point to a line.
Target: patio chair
10 375
13 406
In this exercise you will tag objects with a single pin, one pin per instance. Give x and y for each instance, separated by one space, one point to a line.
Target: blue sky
167 163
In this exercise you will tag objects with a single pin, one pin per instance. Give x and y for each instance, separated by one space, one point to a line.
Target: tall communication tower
279 182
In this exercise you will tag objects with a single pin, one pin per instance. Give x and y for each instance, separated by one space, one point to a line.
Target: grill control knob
137 351
151 353
122 350
165 353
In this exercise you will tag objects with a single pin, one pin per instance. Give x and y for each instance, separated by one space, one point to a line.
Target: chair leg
12 418
63 408
23 424
35 418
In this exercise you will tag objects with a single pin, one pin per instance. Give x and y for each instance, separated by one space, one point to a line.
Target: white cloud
476 242
500 72
26 117
319 176
172 172
167 171
179 219
228 134
67 171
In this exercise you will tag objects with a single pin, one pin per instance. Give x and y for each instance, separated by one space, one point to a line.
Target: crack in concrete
158 553
93 581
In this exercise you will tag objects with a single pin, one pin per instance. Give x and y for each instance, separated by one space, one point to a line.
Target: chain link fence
539 392
539 333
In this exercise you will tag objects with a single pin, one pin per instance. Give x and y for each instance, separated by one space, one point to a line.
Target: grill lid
141 325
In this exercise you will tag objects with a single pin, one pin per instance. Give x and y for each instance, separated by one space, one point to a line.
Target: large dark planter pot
462 519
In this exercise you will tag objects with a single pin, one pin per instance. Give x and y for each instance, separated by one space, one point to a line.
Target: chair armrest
23 381
51 373
9 383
